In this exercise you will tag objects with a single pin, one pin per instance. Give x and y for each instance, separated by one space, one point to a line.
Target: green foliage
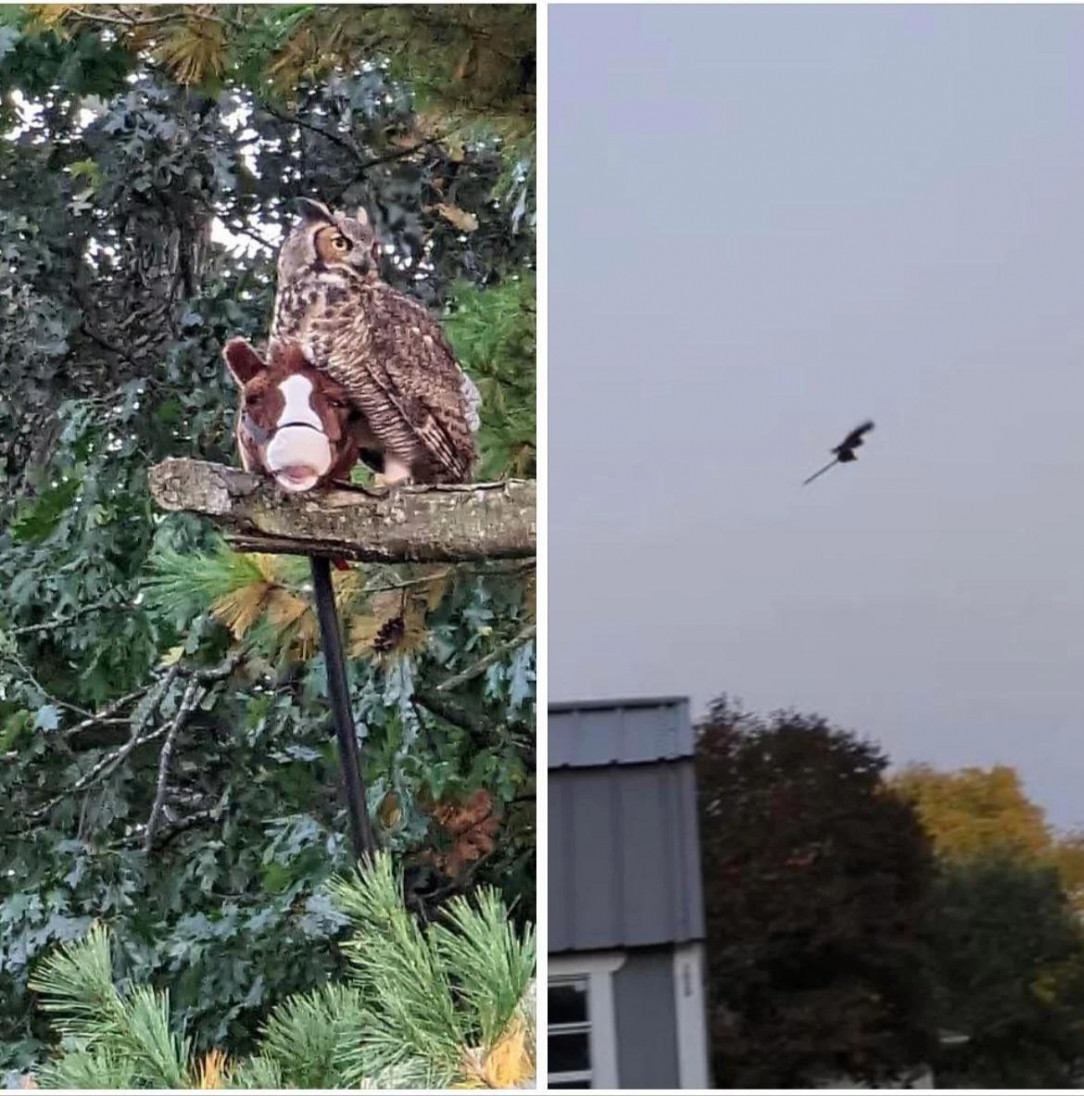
309 1040
474 60
77 983
118 288
428 995
816 883
395 965
128 1037
493 964
183 585
492 331
1009 963
423 1007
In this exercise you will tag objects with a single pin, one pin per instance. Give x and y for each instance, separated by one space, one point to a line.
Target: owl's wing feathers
392 355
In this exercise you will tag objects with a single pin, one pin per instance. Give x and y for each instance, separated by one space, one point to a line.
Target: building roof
624 859
586 734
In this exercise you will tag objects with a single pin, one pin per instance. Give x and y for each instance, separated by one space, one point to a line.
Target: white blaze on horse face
297 394
300 452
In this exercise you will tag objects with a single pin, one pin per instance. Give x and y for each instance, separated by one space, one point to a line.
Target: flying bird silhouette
845 451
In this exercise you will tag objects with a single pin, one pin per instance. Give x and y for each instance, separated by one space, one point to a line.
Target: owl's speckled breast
306 303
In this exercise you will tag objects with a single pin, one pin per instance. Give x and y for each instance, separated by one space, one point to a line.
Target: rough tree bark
400 525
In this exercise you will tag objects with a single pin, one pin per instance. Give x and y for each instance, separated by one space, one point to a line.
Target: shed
626 912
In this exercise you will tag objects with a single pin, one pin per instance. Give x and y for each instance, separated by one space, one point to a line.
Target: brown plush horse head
296 424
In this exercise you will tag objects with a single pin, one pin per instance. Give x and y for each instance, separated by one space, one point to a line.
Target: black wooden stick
361 832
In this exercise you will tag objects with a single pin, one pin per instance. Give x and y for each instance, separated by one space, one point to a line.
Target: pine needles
183 584
111 1041
448 1005
307 1041
493 333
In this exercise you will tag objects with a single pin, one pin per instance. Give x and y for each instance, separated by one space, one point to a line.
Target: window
582 1030
569 1034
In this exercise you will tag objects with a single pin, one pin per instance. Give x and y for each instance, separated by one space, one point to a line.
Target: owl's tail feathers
821 471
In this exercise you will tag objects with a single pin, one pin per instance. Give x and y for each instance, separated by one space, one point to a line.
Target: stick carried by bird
845 451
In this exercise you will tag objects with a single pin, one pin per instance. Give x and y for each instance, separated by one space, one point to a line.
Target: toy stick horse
845 451
296 424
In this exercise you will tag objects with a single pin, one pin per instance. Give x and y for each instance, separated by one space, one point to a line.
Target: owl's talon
381 481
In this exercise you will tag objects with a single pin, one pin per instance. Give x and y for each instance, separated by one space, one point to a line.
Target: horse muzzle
298 456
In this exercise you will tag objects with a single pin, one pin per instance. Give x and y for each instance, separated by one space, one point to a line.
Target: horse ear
243 362
312 211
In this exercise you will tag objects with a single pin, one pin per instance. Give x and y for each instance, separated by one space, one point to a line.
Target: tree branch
111 761
131 22
13 659
59 622
289 119
444 524
400 153
106 715
165 834
450 713
236 226
483 664
199 679
193 693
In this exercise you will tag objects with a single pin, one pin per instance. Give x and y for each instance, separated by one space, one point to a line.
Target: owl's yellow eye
340 243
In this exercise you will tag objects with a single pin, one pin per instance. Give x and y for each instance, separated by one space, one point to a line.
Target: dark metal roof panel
625 732
624 859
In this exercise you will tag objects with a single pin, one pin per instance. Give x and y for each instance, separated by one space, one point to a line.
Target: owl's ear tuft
312 211
361 216
243 361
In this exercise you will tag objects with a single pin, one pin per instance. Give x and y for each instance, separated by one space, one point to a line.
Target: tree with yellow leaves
982 812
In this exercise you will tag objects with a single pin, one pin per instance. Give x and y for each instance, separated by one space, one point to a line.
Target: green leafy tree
816 882
1009 976
143 185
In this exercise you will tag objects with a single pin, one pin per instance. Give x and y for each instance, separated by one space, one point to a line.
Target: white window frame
597 970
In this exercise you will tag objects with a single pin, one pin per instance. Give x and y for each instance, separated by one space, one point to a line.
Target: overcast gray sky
765 225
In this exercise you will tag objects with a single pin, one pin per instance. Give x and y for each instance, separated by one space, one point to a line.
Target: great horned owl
383 347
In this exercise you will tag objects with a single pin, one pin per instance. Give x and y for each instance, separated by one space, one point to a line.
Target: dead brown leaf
464 221
472 826
389 812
